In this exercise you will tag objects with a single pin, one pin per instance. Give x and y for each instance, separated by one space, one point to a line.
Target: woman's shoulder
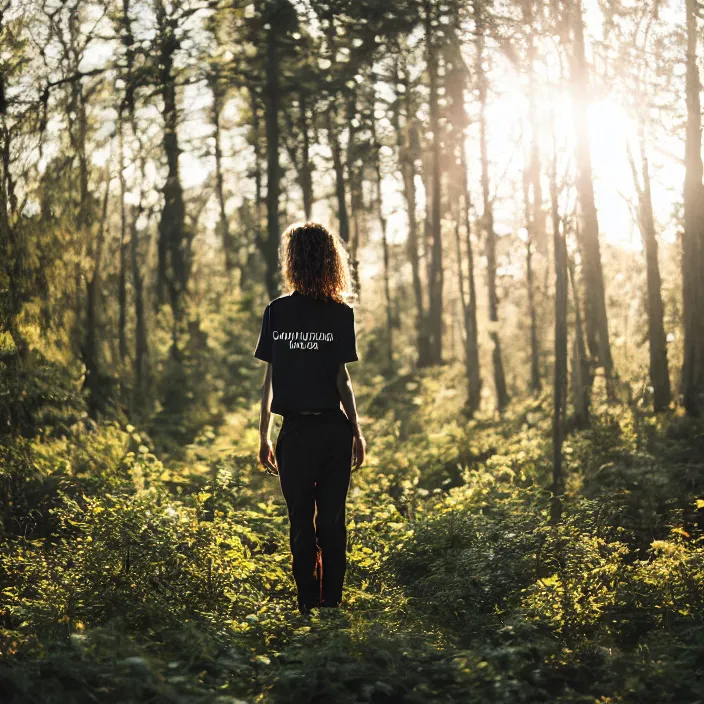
345 306
279 300
342 309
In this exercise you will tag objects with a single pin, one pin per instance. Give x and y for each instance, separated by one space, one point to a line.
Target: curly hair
314 262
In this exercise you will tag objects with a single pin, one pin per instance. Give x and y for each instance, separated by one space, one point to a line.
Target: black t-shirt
306 340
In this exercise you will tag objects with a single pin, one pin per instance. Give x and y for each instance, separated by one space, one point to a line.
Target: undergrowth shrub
465 566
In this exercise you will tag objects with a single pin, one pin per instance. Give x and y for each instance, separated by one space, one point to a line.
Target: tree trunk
502 397
581 373
255 220
174 244
693 234
535 382
125 29
469 339
338 166
424 241
408 148
7 255
141 340
459 187
435 283
226 235
659 373
91 351
126 113
77 132
539 216
12 250
271 246
356 200
141 349
560 372
473 370
385 250
595 299
355 187
535 215
306 165
409 191
122 274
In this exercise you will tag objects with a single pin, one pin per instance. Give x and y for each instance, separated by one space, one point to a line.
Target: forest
518 186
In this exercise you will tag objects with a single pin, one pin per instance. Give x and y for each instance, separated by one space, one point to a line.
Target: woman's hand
267 458
359 448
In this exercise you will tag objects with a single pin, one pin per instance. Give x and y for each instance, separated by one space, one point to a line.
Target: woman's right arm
344 387
266 453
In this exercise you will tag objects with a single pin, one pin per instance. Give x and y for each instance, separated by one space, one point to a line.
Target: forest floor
131 579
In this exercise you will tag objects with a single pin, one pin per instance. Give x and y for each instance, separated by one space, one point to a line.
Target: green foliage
131 576
36 393
212 368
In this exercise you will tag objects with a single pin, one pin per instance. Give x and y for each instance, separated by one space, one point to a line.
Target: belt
324 412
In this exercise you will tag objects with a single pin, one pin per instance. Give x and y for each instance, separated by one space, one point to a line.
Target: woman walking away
307 337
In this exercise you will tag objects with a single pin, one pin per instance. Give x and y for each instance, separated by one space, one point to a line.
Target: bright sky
609 125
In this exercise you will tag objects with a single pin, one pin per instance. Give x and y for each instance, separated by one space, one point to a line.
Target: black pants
314 457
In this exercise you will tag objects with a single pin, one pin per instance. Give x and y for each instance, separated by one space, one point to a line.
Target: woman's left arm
344 387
